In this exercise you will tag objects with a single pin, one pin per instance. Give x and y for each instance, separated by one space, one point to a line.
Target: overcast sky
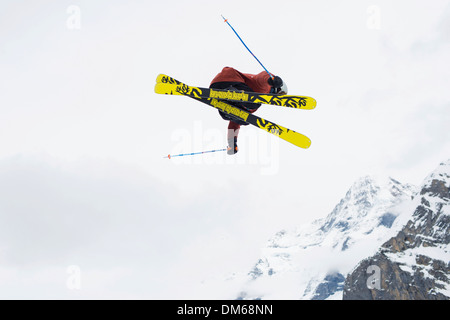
85 193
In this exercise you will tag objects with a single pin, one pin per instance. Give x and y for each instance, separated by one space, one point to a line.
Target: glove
276 82
232 146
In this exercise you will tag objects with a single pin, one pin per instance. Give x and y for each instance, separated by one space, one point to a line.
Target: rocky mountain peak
383 240
414 264
358 224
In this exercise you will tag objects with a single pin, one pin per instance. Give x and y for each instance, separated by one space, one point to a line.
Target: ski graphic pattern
172 86
286 134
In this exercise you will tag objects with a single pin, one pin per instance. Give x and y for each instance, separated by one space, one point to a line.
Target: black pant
246 106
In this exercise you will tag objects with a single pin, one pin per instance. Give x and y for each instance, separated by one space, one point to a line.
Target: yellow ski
168 85
286 134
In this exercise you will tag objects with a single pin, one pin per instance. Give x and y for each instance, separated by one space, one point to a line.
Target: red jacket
257 82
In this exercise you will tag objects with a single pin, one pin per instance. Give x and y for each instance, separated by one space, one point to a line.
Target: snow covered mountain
414 264
311 262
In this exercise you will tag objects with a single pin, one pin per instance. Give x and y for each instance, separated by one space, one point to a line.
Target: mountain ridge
414 264
311 261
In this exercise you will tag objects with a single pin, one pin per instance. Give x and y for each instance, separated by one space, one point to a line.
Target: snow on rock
311 262
415 263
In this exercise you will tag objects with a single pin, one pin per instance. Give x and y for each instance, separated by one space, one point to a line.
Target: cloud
128 232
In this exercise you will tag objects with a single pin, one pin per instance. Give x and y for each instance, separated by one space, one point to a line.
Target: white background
83 181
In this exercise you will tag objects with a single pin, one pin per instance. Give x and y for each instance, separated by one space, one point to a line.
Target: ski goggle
282 90
277 90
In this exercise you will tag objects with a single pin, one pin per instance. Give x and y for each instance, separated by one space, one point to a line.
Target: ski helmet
278 85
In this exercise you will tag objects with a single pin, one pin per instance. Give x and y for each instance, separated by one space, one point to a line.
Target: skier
233 80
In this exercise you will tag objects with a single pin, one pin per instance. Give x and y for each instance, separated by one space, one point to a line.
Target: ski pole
191 154
226 20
